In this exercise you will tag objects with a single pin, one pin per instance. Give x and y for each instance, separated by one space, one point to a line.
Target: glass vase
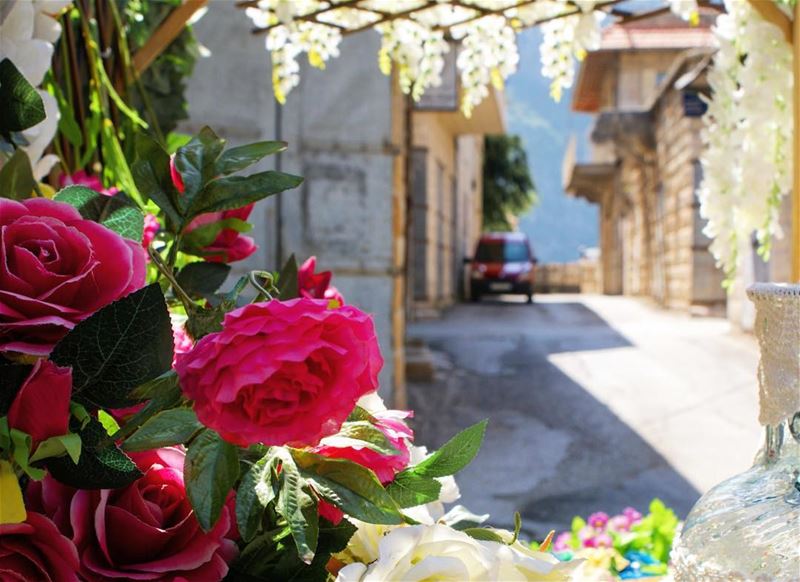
748 527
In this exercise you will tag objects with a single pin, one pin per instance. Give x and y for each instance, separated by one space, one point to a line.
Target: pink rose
316 285
282 371
145 531
230 245
397 432
56 269
41 407
36 551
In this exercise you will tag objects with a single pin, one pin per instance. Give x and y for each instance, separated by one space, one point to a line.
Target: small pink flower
230 245
633 516
563 542
598 520
619 523
151 228
602 540
385 467
316 285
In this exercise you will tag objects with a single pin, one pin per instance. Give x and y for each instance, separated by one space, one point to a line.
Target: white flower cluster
417 51
566 39
488 55
287 41
28 30
747 163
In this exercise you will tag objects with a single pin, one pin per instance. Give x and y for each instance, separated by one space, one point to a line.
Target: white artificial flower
372 403
439 552
39 137
29 54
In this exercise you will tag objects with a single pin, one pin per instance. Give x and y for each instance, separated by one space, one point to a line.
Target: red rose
282 371
56 269
230 245
36 551
145 531
41 407
316 285
397 432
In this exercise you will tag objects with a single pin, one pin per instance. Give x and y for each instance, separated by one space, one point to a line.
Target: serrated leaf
238 191
238 158
102 465
410 490
203 279
16 177
169 427
113 212
202 236
22 106
349 486
210 470
249 505
118 348
454 455
297 507
287 280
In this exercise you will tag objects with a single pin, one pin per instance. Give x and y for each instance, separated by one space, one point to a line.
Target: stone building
355 138
645 86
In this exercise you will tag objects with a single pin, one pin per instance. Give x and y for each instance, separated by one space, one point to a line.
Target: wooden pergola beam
167 31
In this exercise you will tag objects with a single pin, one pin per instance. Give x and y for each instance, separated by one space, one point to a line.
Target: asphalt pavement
594 403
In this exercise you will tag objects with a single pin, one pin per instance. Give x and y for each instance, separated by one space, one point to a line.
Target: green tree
508 188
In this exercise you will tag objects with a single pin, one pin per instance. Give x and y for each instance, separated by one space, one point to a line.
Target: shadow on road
552 450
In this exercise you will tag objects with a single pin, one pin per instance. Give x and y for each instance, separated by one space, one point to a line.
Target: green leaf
169 427
362 434
454 455
196 163
118 348
211 469
237 191
249 505
239 158
67 124
151 174
16 177
410 490
486 534
113 212
297 507
109 422
101 465
58 445
22 106
349 486
287 280
12 377
116 167
203 279
361 414
177 140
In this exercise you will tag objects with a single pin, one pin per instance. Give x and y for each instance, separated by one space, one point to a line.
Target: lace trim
778 331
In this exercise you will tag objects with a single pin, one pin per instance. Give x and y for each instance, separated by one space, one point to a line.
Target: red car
503 263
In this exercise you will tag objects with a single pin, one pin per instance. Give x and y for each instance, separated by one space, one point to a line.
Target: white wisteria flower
439 552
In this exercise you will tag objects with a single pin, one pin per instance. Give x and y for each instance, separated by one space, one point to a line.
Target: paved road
594 403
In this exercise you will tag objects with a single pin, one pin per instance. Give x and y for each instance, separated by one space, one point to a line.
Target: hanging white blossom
686 9
488 55
747 163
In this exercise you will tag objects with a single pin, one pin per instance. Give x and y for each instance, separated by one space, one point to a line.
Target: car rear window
502 252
